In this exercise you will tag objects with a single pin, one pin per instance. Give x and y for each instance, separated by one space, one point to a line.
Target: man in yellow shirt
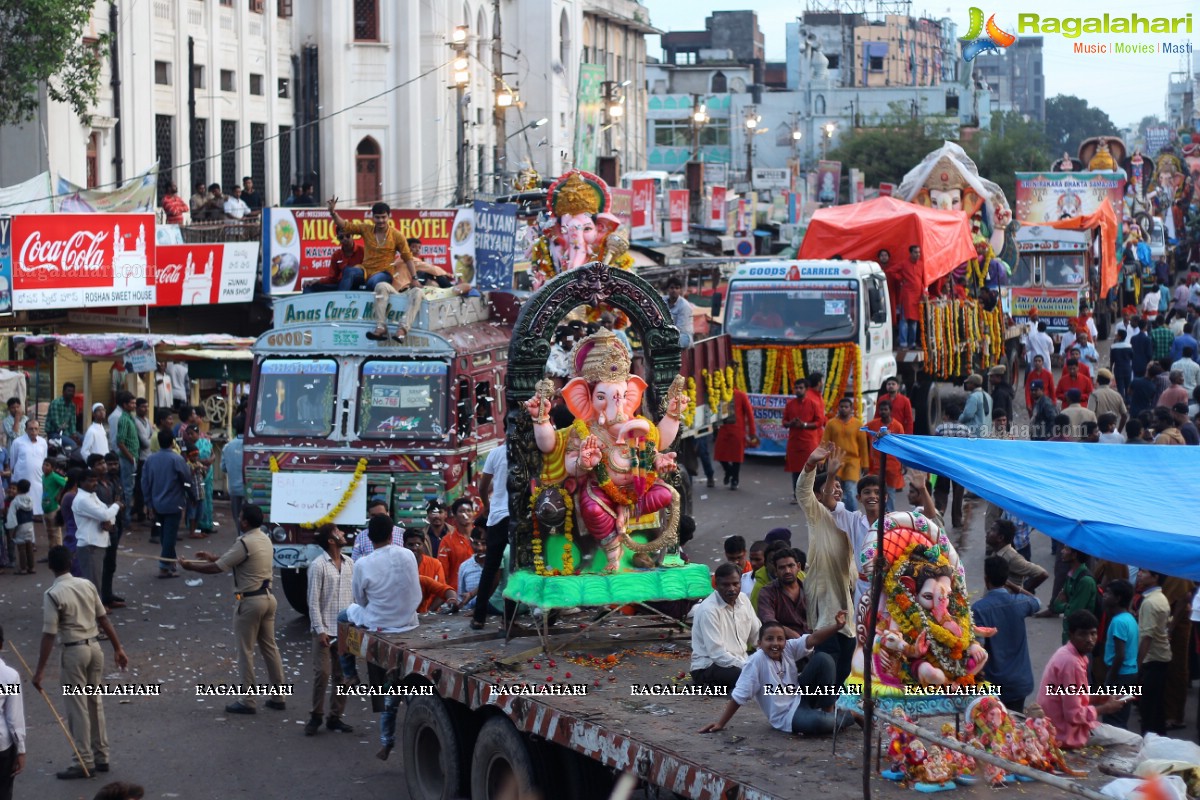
845 431
384 248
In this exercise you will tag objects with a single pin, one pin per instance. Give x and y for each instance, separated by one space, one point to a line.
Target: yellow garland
770 376
739 371
727 388
712 394
568 559
689 413
359 471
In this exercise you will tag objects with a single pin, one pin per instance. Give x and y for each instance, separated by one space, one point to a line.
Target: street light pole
828 128
752 120
462 76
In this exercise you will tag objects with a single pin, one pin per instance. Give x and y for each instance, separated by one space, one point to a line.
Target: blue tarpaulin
1133 504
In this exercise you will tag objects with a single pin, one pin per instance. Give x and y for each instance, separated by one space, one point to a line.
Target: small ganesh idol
610 459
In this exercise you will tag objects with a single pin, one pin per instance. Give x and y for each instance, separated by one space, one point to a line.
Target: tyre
429 746
927 407
295 588
501 766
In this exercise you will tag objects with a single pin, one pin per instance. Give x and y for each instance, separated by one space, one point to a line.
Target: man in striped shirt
330 576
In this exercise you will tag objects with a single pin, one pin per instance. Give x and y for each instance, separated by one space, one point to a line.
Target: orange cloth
730 442
848 436
1081 382
433 582
1046 377
452 552
895 471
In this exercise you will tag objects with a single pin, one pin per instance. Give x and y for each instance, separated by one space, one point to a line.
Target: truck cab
789 319
1052 274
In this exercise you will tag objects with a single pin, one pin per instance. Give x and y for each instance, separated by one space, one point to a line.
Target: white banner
766 178
299 497
139 193
30 197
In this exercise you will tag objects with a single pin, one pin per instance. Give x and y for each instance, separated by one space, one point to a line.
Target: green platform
690 582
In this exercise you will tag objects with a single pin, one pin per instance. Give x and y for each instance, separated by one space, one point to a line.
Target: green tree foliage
1070 120
1014 144
897 143
41 44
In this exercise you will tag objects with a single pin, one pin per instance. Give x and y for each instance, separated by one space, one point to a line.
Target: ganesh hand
538 407
590 452
676 405
665 462
929 675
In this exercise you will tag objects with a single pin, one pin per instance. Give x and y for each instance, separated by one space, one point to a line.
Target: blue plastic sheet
1133 504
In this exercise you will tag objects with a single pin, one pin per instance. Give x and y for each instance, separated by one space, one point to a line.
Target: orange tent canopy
1106 219
857 232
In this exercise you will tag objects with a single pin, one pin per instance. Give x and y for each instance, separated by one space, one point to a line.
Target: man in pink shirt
1063 693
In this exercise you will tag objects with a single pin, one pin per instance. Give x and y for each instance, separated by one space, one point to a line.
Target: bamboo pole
872 618
1058 782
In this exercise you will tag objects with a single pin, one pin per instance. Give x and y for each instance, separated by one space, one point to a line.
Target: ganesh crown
579 192
602 357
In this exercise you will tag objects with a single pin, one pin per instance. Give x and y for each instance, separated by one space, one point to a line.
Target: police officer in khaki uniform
250 558
71 610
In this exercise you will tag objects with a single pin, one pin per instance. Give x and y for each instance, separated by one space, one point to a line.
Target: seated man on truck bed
724 627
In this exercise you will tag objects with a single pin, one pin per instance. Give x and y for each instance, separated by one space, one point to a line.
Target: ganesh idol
581 229
610 459
924 632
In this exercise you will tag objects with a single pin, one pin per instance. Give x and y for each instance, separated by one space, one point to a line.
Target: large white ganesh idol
582 229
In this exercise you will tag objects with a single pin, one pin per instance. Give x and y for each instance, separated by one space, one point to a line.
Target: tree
40 45
1014 144
887 152
1070 120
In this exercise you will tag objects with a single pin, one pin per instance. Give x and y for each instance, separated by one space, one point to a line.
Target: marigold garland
359 471
784 365
689 414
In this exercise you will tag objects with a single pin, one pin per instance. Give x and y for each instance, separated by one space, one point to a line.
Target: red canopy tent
859 231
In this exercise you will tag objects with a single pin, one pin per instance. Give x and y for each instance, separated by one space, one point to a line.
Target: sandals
376 336
401 332
476 625
164 573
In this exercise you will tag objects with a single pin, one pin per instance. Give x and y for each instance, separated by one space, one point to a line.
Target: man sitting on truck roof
724 627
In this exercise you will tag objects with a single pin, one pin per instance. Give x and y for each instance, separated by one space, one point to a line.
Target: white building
204 87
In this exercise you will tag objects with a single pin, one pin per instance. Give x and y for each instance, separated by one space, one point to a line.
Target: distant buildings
1015 78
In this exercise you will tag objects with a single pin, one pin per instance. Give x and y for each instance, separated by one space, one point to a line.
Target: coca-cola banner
677 212
5 264
643 209
80 260
299 242
206 274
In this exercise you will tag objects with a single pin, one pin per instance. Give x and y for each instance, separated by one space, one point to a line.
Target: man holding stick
72 611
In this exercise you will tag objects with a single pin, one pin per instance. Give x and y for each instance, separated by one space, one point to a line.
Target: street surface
178 745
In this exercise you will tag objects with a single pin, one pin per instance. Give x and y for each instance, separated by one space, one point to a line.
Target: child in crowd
54 478
10 545
19 523
196 491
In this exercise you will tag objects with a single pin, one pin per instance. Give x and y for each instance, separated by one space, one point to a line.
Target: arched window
564 39
368 175
719 84
587 42
819 104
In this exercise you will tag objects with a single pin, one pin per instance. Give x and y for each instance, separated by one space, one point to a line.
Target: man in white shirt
1190 370
96 438
330 578
1038 343
724 628
12 728
235 206
25 458
181 383
114 419
493 488
386 585
681 312
387 592
93 520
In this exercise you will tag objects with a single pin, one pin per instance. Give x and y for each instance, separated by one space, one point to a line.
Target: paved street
179 745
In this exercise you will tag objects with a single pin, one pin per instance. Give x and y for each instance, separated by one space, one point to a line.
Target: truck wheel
430 751
927 406
501 766
295 588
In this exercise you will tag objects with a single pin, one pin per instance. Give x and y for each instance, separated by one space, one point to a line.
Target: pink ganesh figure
611 451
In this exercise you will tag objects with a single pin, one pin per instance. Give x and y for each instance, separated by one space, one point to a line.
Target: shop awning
113 345
1133 504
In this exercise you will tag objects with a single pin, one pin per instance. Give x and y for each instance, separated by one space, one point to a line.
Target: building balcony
629 13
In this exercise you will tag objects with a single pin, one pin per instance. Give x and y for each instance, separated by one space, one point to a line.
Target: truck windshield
811 311
295 397
1065 270
403 398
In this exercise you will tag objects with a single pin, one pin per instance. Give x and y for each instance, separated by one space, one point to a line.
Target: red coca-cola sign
81 260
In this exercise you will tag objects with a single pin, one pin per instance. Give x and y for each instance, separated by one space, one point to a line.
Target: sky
1127 87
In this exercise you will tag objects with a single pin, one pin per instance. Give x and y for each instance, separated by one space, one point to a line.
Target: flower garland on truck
959 336
773 369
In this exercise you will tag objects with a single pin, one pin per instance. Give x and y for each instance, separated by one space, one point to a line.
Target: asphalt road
178 745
